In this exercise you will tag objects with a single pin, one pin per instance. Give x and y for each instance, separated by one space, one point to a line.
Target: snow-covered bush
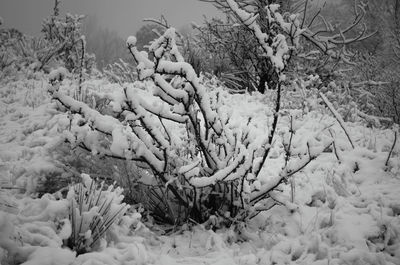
67 42
373 85
58 229
22 53
92 211
250 44
197 159
61 44
353 100
355 103
12 49
189 163
311 42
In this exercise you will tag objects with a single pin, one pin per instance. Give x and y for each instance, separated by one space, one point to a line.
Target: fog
123 16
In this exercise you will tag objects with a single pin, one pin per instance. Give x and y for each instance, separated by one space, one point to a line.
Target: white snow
345 207
131 41
338 216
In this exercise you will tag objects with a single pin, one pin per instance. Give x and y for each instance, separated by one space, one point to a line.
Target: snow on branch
184 133
166 47
123 140
338 118
278 51
296 160
329 40
324 36
180 130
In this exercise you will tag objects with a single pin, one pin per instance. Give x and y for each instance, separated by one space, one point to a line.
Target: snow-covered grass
92 212
345 210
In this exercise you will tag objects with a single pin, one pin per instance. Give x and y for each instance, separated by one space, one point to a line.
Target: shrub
195 161
62 44
92 212
65 36
311 40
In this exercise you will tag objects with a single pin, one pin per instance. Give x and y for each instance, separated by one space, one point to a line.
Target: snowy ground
344 212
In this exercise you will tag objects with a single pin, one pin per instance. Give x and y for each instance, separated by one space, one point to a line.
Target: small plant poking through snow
92 212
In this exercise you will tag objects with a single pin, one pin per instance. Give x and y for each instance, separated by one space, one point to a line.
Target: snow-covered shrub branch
209 152
18 51
272 42
309 24
269 32
182 134
289 32
330 40
254 43
64 35
338 118
222 154
61 43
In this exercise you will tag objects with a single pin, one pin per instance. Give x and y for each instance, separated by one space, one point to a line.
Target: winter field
261 140
338 216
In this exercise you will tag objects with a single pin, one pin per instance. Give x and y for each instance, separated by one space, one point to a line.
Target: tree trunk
262 85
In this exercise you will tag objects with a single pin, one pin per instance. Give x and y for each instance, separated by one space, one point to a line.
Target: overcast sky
125 16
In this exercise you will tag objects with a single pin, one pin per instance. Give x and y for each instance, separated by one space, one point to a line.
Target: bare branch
391 149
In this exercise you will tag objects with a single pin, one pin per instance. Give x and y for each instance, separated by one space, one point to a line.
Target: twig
274 126
287 158
304 14
391 149
79 96
335 149
337 116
